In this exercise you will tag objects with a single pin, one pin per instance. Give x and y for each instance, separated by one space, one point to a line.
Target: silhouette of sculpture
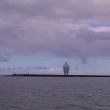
66 68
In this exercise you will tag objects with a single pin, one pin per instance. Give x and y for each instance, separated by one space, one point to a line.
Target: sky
38 36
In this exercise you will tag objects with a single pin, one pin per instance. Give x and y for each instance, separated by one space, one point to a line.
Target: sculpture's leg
67 72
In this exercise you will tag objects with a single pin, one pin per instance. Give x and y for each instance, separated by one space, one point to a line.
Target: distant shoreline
49 75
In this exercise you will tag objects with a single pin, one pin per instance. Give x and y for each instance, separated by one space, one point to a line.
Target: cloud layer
60 27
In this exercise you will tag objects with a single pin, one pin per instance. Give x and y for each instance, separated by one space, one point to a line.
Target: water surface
54 93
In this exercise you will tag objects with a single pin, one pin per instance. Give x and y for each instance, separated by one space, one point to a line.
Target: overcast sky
46 33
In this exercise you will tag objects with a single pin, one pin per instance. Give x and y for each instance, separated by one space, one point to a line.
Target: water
54 93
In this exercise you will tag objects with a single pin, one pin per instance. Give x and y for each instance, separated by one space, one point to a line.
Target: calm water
54 93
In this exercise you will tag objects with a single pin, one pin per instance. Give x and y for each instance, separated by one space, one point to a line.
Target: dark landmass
49 75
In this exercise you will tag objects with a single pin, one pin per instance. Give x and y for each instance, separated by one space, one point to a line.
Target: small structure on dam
66 69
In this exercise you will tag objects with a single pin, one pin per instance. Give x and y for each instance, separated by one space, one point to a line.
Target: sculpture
66 69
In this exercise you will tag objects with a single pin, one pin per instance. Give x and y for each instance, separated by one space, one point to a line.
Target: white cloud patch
101 29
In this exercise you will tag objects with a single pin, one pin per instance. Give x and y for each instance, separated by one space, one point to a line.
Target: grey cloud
5 55
56 27
50 8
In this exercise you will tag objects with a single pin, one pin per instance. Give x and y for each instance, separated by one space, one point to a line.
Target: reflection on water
54 93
